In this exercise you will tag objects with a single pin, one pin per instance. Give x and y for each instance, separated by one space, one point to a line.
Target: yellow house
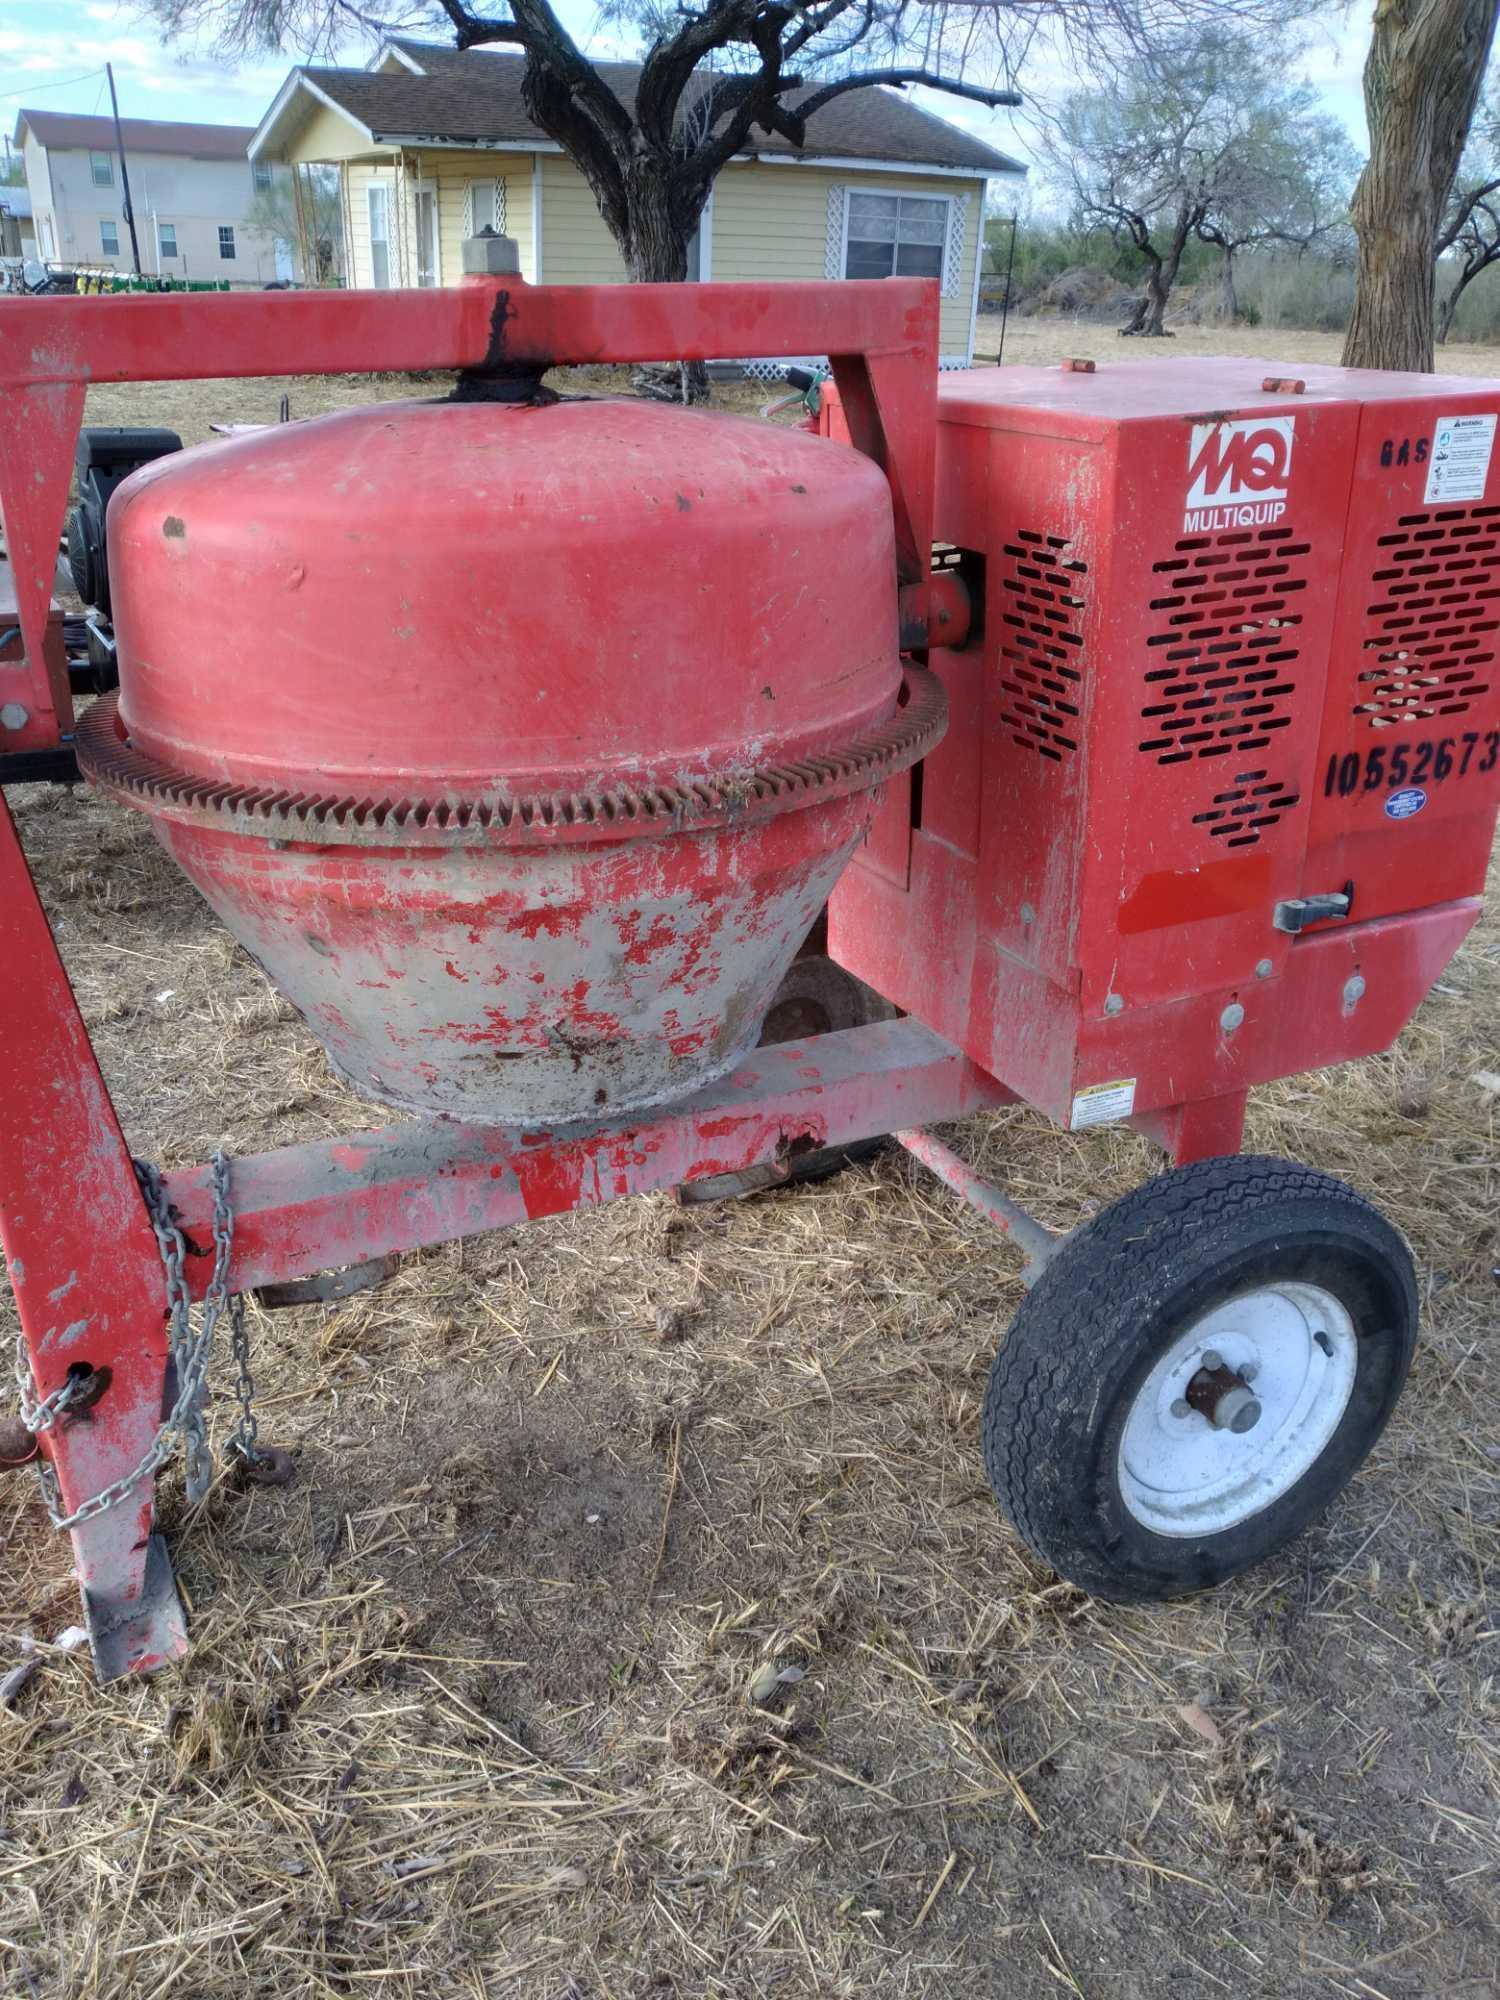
432 144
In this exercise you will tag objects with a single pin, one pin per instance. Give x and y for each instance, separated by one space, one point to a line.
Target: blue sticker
1401 805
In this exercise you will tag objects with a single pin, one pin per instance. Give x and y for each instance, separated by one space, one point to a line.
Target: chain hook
189 1352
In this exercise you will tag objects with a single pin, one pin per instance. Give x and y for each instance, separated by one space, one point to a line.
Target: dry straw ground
466 1712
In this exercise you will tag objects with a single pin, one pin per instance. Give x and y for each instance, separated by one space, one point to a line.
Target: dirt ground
466 1712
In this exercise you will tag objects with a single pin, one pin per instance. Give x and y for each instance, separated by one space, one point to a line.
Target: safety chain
189 1350
36 1415
242 1445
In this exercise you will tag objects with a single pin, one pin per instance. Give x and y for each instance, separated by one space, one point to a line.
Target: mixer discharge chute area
523 739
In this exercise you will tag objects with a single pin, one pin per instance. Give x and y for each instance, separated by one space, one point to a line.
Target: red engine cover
1238 649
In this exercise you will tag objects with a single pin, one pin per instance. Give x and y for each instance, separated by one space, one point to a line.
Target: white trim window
426 224
109 236
484 207
102 169
378 202
895 235
226 241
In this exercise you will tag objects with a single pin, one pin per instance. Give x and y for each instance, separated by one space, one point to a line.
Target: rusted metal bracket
733 1187
326 1285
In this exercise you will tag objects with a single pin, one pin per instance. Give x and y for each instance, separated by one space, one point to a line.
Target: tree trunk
656 253
656 248
1422 79
1229 298
1148 319
1448 307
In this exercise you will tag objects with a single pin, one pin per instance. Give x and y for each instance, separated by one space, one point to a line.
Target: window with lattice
484 207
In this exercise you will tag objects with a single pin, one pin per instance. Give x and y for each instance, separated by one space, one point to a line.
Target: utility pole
1010 265
114 105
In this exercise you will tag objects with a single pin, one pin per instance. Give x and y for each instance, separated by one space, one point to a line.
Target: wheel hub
1224 1397
1236 1409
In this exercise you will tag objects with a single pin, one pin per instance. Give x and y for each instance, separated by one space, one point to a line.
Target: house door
427 236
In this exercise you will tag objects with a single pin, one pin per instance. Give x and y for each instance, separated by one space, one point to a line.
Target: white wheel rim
1295 1345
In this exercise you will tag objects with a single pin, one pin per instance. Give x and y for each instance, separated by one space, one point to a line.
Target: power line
35 89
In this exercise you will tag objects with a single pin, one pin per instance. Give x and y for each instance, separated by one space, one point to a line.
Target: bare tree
1290 189
309 215
1207 142
1422 79
1471 225
1124 170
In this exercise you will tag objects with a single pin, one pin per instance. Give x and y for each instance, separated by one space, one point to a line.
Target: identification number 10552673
1430 762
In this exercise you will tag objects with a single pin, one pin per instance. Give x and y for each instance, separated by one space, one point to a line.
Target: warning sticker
1103 1104
1460 462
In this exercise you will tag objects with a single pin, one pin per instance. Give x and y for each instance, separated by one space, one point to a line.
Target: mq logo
1238 472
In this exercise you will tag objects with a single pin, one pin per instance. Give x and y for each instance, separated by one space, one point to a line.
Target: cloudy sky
52 55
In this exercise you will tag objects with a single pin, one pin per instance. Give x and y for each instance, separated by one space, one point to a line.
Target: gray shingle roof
475 95
141 135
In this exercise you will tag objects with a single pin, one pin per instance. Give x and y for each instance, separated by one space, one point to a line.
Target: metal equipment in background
103 459
525 771
83 642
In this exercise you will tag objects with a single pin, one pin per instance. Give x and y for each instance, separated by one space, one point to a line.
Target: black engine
103 459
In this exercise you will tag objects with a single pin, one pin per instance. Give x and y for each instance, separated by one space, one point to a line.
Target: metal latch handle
1299 911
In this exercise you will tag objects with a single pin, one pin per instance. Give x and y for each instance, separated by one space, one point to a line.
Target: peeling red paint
640 950
550 1184
545 922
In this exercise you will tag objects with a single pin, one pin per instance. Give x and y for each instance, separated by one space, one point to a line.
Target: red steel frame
82 1256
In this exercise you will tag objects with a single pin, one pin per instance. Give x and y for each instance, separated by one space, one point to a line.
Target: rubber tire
1111 1301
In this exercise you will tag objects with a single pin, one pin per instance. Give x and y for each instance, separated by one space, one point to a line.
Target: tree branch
469 31
1465 201
669 65
866 79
